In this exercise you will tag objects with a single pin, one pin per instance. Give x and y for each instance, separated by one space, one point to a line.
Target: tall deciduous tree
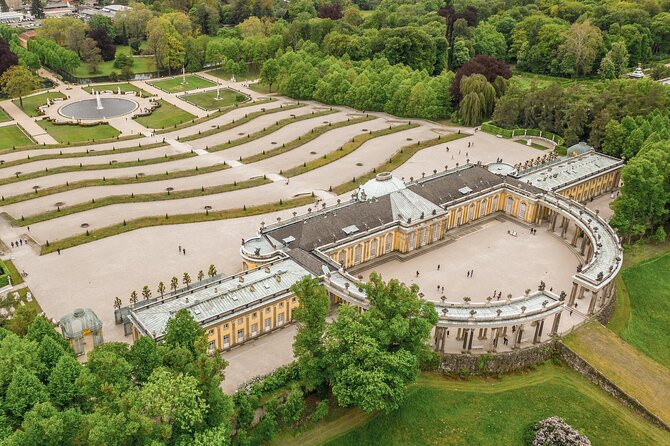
183 330
24 391
103 41
144 358
63 386
310 317
7 57
18 81
270 72
578 52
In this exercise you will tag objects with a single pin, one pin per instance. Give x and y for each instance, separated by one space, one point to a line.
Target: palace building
389 218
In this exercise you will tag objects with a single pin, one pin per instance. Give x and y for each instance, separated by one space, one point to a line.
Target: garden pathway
29 125
171 98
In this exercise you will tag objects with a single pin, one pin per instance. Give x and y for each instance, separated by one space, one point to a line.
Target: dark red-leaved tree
7 57
450 16
489 66
104 42
330 11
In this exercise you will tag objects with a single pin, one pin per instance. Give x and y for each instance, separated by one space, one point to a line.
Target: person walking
179 249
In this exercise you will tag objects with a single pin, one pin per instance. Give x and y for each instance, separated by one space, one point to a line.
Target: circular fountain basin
88 108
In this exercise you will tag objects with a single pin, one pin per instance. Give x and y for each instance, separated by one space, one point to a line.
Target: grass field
207 99
526 80
143 64
249 75
31 103
164 116
648 286
262 88
4 117
124 88
13 136
175 85
441 411
74 133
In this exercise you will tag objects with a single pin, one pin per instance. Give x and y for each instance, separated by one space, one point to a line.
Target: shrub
320 411
660 235
554 431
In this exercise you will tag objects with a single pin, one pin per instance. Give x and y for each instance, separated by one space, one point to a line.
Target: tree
211 272
487 40
310 317
22 319
46 426
18 81
104 42
36 9
201 275
23 393
48 353
63 386
331 11
173 400
144 358
3 6
183 330
99 21
90 53
373 356
488 66
174 283
41 328
578 53
161 288
615 62
269 73
186 279
7 57
133 297
117 303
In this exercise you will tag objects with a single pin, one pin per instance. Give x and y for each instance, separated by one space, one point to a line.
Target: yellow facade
238 328
593 187
405 239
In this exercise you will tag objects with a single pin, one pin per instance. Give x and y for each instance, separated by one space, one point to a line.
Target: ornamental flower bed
554 431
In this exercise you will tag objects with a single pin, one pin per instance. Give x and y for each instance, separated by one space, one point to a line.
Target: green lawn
4 117
648 286
442 411
249 75
31 103
207 99
525 80
166 115
13 136
74 133
262 88
114 87
174 85
143 64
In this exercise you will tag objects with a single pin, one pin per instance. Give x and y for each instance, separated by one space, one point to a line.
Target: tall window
459 215
436 231
412 239
389 243
357 255
424 236
509 205
373 248
471 212
343 257
522 211
482 208
495 204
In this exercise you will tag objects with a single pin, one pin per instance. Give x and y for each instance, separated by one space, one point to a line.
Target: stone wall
576 362
498 363
605 313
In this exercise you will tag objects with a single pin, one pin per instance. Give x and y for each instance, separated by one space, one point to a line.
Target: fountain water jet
98 101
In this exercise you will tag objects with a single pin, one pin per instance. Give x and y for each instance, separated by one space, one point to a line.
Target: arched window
509 205
522 210
459 214
482 208
389 243
373 248
471 212
495 204
357 254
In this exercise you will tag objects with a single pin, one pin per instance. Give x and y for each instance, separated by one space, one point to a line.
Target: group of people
18 243
182 250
